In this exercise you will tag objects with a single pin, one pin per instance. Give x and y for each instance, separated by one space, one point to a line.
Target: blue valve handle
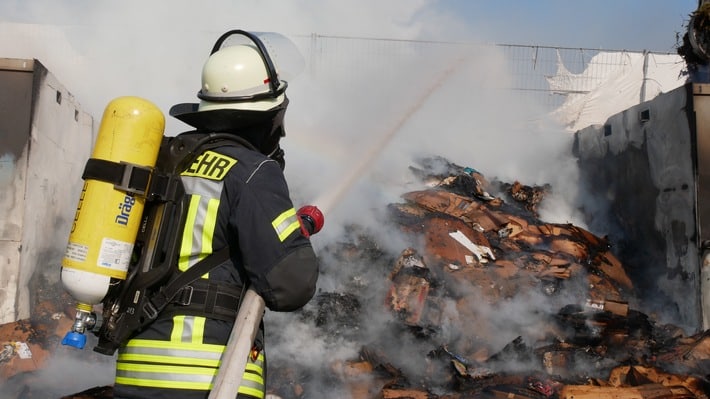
75 339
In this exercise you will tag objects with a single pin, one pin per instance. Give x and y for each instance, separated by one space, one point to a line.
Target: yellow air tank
107 219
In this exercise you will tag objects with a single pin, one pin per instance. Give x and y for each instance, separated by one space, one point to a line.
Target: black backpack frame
153 280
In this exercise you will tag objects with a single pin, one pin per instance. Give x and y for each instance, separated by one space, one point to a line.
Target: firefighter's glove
311 219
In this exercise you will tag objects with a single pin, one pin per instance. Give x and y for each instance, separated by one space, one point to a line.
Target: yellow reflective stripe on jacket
143 350
165 376
256 367
286 223
158 358
253 378
188 329
187 233
196 245
246 390
158 367
185 345
209 224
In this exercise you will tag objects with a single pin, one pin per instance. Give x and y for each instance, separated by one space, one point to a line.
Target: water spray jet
330 199
246 325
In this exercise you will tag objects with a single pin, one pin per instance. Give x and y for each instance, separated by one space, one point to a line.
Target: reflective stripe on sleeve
286 223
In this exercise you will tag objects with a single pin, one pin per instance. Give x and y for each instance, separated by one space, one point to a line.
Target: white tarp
601 91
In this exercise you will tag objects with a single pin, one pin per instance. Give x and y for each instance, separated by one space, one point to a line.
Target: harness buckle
135 179
185 297
150 310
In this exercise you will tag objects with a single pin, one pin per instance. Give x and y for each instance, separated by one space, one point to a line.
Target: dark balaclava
262 129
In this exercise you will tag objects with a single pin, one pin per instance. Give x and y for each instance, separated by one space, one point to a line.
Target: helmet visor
283 52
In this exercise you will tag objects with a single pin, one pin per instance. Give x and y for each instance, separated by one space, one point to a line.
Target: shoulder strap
160 299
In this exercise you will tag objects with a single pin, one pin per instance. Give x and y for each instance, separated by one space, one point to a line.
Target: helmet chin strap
278 155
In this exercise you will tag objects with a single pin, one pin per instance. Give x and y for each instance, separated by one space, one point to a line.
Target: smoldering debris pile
34 364
485 300
489 301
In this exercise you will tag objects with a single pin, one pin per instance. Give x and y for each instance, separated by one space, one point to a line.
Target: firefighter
237 198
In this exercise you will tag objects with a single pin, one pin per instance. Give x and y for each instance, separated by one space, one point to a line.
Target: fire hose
251 310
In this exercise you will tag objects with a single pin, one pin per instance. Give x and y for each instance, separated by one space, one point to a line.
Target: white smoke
103 49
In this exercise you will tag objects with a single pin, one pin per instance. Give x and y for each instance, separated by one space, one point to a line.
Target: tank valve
85 320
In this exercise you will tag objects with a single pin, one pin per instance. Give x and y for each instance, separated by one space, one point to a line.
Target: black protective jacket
236 198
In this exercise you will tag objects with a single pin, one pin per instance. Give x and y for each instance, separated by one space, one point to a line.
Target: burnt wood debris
485 300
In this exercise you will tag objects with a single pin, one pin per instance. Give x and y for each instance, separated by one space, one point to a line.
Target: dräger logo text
124 210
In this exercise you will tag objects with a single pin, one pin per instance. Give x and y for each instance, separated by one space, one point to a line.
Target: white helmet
241 77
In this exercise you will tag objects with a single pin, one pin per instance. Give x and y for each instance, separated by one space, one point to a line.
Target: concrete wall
641 169
45 139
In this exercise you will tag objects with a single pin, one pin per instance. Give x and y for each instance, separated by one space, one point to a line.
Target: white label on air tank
76 252
114 254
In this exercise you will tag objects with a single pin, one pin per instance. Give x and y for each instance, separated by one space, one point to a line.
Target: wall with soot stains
45 139
649 167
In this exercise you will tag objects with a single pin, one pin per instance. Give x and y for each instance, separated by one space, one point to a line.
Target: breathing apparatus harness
154 285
